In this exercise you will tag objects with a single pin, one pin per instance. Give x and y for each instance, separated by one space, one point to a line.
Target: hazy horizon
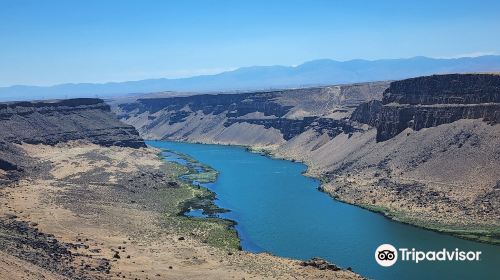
56 42
222 71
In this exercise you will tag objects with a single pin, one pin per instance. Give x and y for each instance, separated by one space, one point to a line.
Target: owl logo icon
386 255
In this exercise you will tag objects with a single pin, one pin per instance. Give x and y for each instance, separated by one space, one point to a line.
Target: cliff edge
61 121
430 101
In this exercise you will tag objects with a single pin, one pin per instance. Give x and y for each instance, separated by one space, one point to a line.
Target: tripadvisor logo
387 255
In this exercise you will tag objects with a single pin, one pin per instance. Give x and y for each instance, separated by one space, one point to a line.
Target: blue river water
280 211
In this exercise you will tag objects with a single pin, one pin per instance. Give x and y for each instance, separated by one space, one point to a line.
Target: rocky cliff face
59 121
11 162
368 112
445 89
271 117
431 101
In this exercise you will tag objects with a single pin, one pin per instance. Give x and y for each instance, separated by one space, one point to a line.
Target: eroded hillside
261 119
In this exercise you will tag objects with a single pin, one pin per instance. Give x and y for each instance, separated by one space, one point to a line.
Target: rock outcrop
425 102
11 162
320 264
445 89
61 121
368 112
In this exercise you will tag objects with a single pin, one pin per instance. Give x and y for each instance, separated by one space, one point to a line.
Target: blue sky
49 42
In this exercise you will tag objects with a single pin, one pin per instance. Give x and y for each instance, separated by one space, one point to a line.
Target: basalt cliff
423 151
432 101
61 121
260 119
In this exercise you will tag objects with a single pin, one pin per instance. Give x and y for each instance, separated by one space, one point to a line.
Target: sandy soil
88 196
15 268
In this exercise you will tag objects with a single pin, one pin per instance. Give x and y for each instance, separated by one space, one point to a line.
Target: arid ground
92 212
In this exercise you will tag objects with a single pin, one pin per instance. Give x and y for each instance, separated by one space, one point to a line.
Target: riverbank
85 211
417 216
491 236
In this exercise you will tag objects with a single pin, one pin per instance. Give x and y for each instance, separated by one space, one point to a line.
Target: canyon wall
264 119
430 101
61 121
424 150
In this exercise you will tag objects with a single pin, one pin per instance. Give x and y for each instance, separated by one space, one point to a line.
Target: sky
50 42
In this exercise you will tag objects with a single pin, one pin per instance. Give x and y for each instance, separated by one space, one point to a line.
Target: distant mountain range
316 72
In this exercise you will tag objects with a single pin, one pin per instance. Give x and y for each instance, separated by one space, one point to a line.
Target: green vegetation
259 150
207 175
480 233
213 231
204 177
